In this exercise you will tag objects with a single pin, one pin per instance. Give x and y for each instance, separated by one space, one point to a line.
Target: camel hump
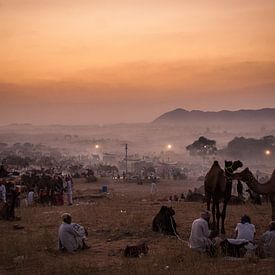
213 178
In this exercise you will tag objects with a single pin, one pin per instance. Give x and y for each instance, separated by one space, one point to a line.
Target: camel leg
208 200
213 215
272 201
223 215
273 211
218 214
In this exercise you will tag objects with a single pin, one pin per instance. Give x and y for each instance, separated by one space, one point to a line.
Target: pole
126 158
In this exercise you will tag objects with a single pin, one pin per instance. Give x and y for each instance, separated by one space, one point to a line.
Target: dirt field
123 216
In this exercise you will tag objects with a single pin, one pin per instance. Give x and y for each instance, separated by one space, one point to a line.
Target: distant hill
183 116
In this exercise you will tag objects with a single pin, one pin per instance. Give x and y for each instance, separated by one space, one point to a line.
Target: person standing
2 192
30 197
153 185
240 190
69 187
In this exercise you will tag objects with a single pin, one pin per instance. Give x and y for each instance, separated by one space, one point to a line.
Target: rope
179 238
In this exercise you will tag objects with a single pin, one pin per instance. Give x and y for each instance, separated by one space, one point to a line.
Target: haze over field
83 62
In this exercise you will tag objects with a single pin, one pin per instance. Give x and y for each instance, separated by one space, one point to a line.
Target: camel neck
255 186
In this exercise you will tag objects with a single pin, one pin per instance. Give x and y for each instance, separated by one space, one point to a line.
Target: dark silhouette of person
240 189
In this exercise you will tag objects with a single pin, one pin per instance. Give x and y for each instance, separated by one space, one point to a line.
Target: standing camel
218 187
267 188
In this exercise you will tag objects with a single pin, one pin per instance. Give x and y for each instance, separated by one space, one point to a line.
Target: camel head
237 164
230 166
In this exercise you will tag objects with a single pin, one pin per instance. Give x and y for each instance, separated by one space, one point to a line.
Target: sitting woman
71 236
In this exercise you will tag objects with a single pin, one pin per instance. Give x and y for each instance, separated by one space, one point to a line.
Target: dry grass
124 217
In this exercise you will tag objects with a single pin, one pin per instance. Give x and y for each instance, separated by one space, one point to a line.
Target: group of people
47 189
72 237
52 192
202 239
9 199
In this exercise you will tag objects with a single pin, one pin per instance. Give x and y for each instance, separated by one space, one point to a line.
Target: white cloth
3 193
30 198
69 238
245 231
199 238
237 241
267 242
80 230
69 191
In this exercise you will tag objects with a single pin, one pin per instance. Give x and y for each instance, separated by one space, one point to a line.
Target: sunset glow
65 61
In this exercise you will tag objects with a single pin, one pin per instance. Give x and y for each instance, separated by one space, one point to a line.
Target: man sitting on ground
71 236
199 239
267 242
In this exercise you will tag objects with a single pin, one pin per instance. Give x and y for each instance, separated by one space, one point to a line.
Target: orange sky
66 61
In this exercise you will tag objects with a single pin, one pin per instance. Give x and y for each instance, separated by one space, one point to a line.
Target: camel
267 188
194 197
218 187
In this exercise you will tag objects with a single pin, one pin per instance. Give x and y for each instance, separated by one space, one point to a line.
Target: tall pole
126 158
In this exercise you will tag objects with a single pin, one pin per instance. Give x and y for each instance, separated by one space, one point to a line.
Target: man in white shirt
245 230
199 238
69 187
243 244
71 237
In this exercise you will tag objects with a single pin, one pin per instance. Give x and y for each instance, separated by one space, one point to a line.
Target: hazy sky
106 61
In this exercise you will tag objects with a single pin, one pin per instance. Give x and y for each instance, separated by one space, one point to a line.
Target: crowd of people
47 189
34 189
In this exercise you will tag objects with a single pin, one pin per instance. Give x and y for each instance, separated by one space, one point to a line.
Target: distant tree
202 147
250 147
17 161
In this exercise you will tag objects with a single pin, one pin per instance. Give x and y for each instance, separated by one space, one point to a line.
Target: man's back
199 234
67 237
245 231
268 241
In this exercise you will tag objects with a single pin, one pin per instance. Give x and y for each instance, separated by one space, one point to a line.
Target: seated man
267 243
199 239
245 229
243 243
71 237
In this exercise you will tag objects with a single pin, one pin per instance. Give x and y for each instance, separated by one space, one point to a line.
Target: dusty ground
122 217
